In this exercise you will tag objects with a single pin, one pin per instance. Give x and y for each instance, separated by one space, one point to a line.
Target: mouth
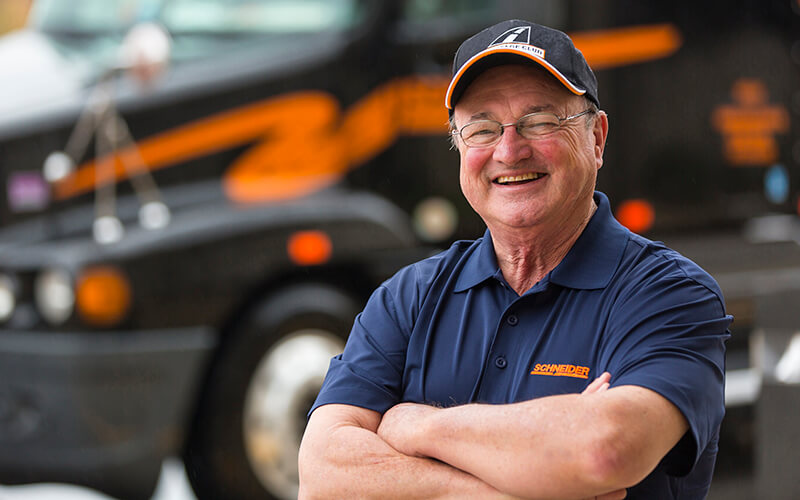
507 180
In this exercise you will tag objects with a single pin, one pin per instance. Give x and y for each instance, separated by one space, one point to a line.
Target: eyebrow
537 109
485 115
481 116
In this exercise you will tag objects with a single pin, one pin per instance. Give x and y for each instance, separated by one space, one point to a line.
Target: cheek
572 143
578 151
472 162
464 175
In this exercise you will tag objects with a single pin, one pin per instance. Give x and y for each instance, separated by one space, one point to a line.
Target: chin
519 222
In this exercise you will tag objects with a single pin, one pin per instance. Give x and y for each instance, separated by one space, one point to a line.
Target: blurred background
14 13
199 195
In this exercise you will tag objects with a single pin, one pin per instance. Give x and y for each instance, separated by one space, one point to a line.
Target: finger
591 388
597 383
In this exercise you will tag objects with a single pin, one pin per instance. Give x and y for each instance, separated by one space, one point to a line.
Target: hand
401 427
598 385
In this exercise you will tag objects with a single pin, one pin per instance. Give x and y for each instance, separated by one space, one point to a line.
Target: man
559 356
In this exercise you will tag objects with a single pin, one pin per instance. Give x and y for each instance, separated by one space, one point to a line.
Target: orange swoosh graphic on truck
303 142
622 46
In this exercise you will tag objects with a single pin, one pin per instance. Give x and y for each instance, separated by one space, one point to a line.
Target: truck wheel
252 415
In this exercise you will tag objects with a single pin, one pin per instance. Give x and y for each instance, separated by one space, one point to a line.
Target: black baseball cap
514 42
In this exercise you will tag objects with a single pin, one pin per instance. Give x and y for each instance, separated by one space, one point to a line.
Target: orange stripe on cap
501 49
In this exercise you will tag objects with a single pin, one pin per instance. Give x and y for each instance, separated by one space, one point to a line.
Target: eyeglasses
485 133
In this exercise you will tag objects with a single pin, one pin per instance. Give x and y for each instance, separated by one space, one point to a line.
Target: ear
600 132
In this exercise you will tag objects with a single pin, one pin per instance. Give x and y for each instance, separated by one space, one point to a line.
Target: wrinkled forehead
520 87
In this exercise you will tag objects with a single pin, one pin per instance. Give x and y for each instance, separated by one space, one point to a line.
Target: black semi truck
183 247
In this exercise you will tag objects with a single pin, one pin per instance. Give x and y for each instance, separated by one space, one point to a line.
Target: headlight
55 298
8 297
435 219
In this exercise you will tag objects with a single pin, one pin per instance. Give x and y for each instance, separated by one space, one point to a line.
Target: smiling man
558 356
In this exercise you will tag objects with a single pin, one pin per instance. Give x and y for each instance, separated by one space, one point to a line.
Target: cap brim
495 56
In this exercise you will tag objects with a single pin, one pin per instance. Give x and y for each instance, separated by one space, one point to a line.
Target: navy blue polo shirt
449 330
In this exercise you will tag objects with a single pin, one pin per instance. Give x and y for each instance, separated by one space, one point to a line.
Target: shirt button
500 362
512 319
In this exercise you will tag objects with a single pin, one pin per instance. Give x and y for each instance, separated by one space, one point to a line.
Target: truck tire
252 413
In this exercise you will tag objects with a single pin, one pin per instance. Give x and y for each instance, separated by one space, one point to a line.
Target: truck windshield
91 30
98 17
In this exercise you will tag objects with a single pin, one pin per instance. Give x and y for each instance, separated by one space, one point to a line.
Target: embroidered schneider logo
560 370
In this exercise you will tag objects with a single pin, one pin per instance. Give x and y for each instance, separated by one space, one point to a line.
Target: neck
526 255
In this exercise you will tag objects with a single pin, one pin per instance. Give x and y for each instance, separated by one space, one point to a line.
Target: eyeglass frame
517 123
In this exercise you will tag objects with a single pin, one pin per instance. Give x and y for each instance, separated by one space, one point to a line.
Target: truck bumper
99 409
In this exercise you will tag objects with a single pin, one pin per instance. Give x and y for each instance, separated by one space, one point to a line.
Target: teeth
505 179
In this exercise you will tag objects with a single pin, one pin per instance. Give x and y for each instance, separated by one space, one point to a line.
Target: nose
512 147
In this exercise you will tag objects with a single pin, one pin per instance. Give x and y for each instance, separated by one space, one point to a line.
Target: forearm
551 459
341 460
568 446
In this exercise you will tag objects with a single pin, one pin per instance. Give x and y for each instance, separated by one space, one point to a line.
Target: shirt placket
503 361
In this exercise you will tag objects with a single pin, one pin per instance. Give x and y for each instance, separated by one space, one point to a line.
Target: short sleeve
668 335
370 370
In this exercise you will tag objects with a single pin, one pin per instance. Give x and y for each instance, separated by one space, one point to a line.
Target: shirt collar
596 254
589 264
481 264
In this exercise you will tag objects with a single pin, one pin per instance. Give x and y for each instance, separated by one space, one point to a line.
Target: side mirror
144 55
145 52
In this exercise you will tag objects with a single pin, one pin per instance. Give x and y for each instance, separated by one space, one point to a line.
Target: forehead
513 88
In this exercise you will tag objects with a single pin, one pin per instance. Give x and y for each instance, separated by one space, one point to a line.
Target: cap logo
518 35
518 39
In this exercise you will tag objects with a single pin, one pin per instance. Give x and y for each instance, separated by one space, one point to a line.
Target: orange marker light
637 215
103 296
309 248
